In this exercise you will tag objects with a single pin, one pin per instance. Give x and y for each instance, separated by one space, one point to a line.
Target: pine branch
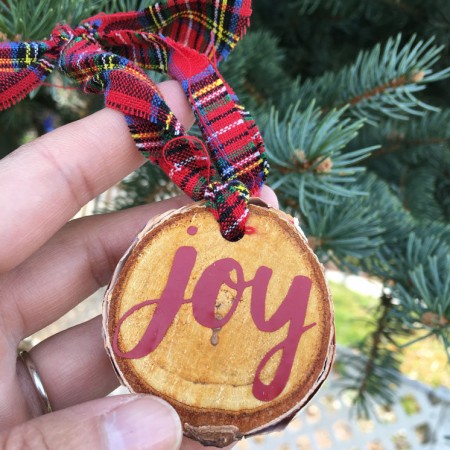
381 83
415 157
414 261
430 131
373 375
375 343
305 149
399 144
382 89
343 230
26 20
426 189
353 232
31 20
397 223
423 292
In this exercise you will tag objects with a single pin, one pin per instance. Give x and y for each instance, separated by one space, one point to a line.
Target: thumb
131 422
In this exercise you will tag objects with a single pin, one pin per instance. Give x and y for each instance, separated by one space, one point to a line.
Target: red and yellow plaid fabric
109 55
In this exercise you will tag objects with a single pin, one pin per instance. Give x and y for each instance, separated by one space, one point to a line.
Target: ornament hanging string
110 54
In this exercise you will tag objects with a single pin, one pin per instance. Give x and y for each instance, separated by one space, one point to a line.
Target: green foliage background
353 101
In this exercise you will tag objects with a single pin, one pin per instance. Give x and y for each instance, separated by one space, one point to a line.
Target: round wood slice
208 373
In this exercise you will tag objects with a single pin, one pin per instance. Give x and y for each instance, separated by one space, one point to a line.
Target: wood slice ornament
236 336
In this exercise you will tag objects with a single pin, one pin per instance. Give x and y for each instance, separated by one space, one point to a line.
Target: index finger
43 184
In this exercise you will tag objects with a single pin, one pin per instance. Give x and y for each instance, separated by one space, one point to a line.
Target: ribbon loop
228 203
187 163
230 134
109 54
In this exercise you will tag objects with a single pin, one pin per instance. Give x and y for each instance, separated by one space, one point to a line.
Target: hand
47 266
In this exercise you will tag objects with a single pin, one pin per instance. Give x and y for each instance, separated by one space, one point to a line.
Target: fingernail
147 423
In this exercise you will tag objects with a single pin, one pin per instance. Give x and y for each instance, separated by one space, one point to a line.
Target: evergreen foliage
353 101
381 82
305 149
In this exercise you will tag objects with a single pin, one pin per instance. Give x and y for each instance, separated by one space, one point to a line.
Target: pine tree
353 101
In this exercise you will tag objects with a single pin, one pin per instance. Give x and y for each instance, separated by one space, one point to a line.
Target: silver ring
36 380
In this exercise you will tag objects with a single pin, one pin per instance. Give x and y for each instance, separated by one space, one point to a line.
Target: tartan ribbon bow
108 54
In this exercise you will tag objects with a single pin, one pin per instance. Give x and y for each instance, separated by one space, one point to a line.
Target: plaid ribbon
109 54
